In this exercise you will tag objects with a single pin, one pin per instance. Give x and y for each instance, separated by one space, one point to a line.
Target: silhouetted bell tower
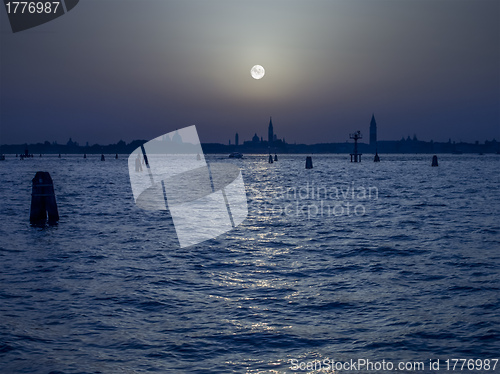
270 134
373 133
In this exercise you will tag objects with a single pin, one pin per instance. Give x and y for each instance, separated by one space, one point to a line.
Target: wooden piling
309 162
43 200
434 160
270 159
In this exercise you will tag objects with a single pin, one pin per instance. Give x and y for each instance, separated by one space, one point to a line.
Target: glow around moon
257 72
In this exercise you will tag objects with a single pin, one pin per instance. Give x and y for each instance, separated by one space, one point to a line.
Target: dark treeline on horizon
388 146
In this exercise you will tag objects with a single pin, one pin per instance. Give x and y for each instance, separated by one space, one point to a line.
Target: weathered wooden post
434 160
270 159
275 157
102 157
43 200
309 162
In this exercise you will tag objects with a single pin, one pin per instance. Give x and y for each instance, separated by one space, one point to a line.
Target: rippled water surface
393 260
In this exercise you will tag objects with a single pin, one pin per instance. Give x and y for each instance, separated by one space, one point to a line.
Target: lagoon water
394 261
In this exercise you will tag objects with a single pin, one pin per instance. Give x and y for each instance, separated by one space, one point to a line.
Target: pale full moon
257 72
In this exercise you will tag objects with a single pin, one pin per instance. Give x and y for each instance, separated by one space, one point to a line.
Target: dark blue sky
111 70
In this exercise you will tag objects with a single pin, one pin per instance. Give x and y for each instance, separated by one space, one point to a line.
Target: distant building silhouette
373 133
270 133
176 138
258 143
71 143
236 140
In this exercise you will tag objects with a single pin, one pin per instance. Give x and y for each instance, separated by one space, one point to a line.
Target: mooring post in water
84 155
102 157
270 159
138 166
116 156
275 157
356 136
43 200
434 160
376 158
309 162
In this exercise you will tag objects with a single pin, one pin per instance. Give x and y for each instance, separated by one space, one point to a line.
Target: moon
257 72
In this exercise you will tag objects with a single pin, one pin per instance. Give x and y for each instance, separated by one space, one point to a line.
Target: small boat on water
235 155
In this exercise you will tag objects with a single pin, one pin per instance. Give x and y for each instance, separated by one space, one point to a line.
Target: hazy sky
111 70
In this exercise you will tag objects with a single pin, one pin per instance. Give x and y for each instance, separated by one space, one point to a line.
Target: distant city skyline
110 71
369 136
369 132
